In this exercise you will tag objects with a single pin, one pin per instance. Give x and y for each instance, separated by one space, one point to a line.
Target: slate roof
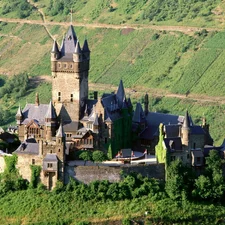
197 153
173 144
138 116
51 158
55 48
85 46
51 114
70 127
69 43
60 133
28 148
153 121
80 133
197 130
120 93
172 130
19 111
33 112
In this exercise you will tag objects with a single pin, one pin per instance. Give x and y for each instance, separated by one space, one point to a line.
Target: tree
99 156
86 156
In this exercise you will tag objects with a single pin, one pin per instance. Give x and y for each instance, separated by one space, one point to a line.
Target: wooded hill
159 61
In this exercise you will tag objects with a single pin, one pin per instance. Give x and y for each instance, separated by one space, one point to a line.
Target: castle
51 133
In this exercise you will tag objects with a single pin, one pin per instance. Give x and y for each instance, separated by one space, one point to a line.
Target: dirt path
184 29
138 92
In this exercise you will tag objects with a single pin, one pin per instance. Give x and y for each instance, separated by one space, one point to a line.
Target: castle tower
185 130
50 122
70 67
146 104
19 116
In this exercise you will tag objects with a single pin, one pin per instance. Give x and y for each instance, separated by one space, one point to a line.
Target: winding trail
140 91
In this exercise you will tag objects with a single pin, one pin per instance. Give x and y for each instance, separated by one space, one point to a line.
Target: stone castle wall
87 174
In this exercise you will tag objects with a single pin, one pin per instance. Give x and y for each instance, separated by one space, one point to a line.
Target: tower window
33 161
59 150
71 97
49 165
59 65
59 96
71 66
65 65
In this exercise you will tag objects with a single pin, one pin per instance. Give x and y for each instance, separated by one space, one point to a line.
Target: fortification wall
87 174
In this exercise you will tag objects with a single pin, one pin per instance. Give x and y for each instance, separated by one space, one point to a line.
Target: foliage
35 176
10 164
86 156
22 7
160 152
99 156
211 186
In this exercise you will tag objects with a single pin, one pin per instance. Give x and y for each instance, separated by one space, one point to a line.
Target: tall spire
85 46
77 48
37 100
120 93
186 123
19 111
146 103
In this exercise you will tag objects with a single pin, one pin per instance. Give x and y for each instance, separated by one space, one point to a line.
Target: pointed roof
55 48
69 42
129 102
60 132
77 48
96 120
19 111
187 122
120 93
138 113
51 112
85 46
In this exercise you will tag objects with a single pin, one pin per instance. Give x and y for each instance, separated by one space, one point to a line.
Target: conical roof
60 132
77 48
120 93
85 46
51 112
96 120
55 48
19 111
186 123
138 113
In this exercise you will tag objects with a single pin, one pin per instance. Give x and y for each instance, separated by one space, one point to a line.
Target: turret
120 93
86 50
60 136
185 130
50 122
19 116
77 55
55 53
146 104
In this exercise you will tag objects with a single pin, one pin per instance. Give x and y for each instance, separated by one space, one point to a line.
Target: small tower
50 122
86 50
37 103
77 55
19 116
120 94
185 130
60 143
146 104
55 54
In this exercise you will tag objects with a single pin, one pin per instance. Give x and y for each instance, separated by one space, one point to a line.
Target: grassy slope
30 207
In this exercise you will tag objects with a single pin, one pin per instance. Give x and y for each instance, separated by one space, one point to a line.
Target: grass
30 207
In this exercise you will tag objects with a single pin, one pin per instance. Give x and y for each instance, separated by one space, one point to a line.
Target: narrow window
59 150
71 97
59 65
59 96
71 66
49 165
106 126
33 161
